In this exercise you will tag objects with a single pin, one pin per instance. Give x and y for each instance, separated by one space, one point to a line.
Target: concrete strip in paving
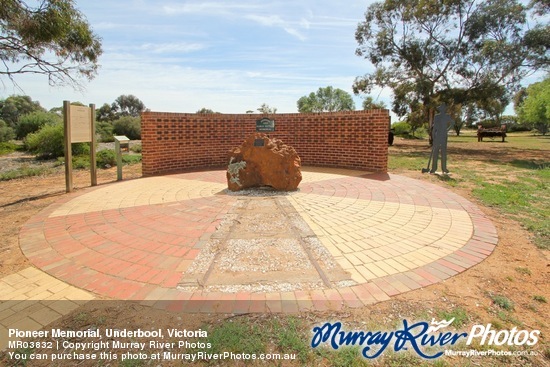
390 233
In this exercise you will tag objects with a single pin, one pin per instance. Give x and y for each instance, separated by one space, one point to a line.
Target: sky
228 56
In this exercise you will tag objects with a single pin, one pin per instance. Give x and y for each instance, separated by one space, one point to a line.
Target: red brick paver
134 240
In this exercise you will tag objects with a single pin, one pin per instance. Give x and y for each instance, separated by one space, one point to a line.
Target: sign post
93 166
79 127
121 143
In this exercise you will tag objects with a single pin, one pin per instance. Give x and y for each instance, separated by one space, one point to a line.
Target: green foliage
488 123
104 130
535 109
80 161
131 158
348 357
425 63
508 317
124 105
48 142
265 109
326 99
6 132
24 171
459 124
523 271
509 120
136 148
50 38
524 198
502 195
205 110
290 337
401 128
7 147
34 121
459 314
80 149
106 158
129 126
370 104
236 336
127 105
105 113
540 299
518 127
132 362
406 162
13 107
503 302
25 354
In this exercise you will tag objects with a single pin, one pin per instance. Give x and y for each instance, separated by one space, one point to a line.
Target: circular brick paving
143 240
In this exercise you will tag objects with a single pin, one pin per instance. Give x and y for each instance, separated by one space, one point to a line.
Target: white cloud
172 47
228 56
277 21
206 8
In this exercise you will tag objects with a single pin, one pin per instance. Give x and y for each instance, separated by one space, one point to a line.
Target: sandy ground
501 274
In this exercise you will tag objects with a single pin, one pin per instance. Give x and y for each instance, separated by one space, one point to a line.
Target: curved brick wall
174 142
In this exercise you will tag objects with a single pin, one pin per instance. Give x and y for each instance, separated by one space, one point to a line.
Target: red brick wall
173 142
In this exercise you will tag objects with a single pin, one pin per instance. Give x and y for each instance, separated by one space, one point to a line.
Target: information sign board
81 124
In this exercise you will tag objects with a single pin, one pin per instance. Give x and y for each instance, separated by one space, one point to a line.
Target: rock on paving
185 243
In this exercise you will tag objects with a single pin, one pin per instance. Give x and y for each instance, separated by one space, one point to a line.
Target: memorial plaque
259 142
265 125
81 124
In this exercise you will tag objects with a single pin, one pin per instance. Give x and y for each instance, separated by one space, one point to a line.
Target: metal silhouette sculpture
441 126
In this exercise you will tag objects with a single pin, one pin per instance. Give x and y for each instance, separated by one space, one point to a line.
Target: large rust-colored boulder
263 161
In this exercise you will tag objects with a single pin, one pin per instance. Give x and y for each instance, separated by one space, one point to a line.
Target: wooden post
93 168
68 150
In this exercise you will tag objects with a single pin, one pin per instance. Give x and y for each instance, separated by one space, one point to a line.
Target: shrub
136 148
542 127
518 128
79 161
488 123
131 158
80 149
503 302
7 147
32 122
106 158
6 132
104 130
401 128
129 126
48 142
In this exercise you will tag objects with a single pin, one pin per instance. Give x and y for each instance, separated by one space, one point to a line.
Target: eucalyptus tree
454 51
326 99
48 37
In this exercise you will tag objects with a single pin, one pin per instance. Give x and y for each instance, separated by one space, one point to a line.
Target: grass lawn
513 176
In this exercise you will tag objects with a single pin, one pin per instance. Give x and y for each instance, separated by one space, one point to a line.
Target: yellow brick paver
28 304
374 226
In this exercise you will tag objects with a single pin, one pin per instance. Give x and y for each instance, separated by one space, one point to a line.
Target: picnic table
491 132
